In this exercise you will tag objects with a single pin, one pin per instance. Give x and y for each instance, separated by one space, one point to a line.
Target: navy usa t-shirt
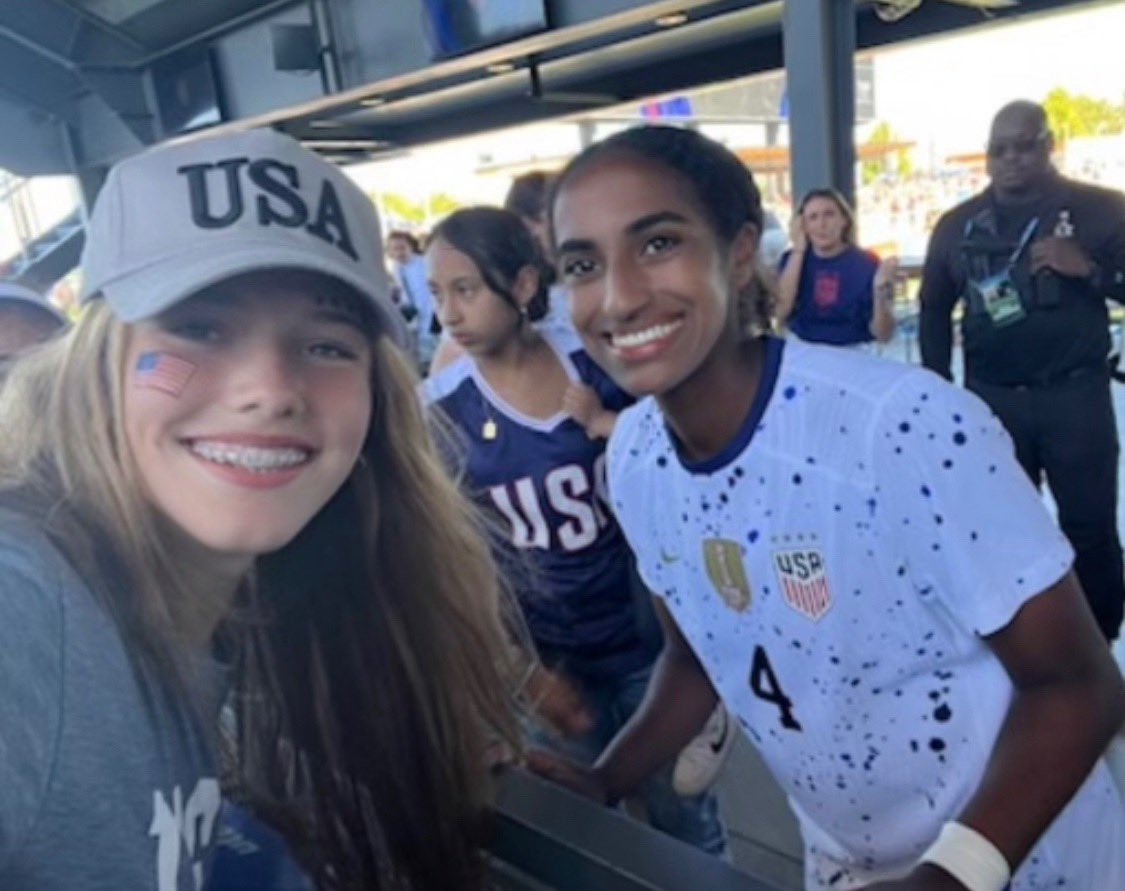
834 298
545 481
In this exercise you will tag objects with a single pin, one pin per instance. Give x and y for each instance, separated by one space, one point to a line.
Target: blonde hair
63 444
372 665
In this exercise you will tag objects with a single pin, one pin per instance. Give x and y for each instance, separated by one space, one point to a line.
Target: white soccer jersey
834 569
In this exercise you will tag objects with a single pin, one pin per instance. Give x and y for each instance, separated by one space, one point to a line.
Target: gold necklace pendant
489 431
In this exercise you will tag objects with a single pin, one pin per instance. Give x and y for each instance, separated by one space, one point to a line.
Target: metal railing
549 839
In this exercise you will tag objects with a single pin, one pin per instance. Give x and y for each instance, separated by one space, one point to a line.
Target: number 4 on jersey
764 684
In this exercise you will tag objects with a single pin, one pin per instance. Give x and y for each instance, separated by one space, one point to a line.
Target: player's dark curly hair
722 185
501 246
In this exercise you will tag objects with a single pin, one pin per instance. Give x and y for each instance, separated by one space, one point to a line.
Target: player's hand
557 701
565 772
1064 255
924 877
797 236
885 276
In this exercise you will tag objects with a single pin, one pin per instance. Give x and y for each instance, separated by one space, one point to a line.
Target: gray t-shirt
97 791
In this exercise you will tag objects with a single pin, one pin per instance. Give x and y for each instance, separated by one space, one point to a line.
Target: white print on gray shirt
193 825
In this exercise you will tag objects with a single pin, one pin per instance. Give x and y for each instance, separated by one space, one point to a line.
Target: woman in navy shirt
831 290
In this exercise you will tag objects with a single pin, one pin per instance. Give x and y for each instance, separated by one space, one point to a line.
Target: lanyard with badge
998 292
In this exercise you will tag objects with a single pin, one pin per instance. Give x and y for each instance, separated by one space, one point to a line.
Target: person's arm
557 700
1109 273
936 298
1069 701
1103 265
678 703
1003 573
789 281
882 324
583 405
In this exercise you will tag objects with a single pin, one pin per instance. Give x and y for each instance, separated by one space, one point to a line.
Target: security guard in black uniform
1033 258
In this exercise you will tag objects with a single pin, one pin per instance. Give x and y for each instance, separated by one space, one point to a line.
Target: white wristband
970 858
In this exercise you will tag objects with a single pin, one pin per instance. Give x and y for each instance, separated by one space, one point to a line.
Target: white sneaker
698 765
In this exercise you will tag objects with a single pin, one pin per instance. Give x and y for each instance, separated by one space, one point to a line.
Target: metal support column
819 38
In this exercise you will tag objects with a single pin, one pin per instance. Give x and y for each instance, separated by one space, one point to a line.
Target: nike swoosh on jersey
717 746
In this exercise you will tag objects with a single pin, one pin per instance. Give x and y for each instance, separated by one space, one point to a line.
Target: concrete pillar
819 42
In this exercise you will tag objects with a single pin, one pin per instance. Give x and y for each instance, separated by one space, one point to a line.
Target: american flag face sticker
162 371
803 580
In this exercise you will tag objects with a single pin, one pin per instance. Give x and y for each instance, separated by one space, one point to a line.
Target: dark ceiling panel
626 84
114 11
43 85
44 23
736 40
159 24
32 143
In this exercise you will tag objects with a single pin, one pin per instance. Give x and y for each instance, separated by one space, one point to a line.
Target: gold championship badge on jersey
723 559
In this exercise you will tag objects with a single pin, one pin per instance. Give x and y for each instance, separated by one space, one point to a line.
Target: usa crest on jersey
803 580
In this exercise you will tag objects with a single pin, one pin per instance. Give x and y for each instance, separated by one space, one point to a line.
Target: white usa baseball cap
10 292
178 218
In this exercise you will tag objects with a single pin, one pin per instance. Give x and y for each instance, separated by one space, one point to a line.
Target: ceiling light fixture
501 67
671 20
372 101
345 145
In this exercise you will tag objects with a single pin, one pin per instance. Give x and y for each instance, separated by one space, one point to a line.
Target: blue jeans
249 854
612 701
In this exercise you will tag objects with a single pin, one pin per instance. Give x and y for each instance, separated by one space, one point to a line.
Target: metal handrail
552 839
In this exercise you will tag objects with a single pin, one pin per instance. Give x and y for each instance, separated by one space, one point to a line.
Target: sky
944 91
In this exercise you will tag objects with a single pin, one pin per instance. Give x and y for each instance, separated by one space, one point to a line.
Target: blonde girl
218 487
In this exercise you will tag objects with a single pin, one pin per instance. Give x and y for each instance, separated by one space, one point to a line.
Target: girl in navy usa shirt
531 413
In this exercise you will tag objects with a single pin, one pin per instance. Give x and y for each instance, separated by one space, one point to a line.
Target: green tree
401 210
1071 115
441 205
883 135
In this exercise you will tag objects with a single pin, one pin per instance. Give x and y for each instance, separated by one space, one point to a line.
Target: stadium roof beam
67 37
109 68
